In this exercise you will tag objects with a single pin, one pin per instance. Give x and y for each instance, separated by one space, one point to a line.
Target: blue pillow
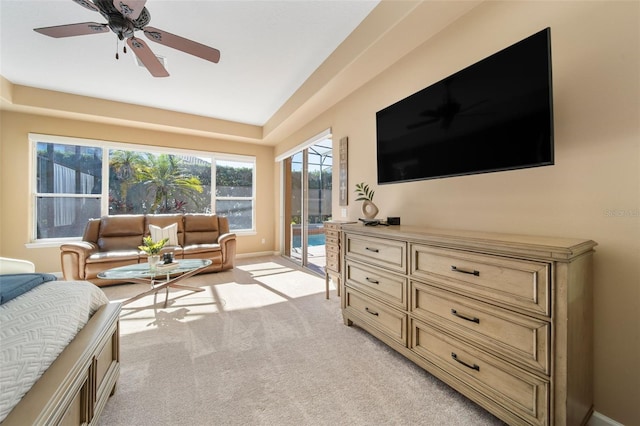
13 285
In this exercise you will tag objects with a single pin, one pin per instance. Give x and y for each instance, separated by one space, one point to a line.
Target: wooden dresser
504 319
332 249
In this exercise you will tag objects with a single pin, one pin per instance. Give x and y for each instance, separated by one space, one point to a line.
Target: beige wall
15 201
592 191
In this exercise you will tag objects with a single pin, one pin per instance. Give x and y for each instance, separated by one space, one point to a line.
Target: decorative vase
369 210
153 260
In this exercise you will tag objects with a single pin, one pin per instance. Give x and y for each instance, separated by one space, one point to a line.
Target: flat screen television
494 115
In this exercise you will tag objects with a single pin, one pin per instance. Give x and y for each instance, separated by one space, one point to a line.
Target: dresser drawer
331 226
331 243
522 393
332 238
330 232
333 261
384 285
391 322
388 254
524 340
517 283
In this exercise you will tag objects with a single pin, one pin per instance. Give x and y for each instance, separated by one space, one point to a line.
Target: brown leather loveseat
113 241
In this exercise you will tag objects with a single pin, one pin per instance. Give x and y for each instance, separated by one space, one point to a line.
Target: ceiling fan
124 18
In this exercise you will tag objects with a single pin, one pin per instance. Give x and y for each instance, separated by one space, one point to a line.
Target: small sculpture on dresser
365 194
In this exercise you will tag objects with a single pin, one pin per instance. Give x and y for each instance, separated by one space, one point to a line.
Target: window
234 193
145 182
75 180
68 188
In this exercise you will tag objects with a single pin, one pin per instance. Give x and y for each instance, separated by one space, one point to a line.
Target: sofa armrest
73 257
228 246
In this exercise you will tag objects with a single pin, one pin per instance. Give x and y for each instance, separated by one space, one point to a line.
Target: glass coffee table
156 278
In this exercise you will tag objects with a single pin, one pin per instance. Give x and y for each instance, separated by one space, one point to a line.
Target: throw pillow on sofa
170 232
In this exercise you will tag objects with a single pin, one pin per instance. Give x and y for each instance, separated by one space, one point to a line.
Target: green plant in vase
152 249
365 194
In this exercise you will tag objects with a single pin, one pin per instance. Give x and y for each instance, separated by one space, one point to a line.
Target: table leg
162 285
186 287
326 282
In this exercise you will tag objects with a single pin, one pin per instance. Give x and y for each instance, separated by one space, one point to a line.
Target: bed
59 348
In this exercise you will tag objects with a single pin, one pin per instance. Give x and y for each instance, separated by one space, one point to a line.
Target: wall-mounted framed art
343 170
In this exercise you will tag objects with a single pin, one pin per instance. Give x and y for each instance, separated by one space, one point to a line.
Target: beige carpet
262 346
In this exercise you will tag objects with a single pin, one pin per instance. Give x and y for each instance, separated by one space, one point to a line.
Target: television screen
491 116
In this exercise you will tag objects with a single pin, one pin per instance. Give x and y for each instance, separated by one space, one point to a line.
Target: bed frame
75 388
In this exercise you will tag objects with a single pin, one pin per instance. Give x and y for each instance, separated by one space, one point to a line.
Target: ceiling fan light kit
124 18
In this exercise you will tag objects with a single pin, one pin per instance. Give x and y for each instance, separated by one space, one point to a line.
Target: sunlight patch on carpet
297 284
264 268
285 281
246 296
183 306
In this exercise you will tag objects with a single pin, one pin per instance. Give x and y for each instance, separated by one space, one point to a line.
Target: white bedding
34 329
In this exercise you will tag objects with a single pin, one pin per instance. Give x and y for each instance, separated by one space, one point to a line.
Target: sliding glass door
307 186
295 206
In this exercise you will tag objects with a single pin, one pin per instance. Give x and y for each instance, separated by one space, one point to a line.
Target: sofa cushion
119 243
121 232
169 232
200 229
200 248
92 231
213 252
121 225
113 256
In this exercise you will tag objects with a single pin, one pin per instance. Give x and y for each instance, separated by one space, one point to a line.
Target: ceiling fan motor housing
121 26
119 23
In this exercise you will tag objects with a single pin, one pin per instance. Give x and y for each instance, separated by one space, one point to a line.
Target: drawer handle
371 312
372 281
462 271
473 367
472 319
375 250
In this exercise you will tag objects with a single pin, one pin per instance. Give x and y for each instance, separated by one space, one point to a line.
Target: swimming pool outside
314 240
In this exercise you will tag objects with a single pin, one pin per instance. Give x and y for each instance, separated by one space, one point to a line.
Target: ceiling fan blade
429 113
87 4
130 8
422 123
71 30
474 105
147 57
180 43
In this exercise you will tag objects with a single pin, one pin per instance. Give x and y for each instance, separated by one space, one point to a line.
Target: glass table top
142 270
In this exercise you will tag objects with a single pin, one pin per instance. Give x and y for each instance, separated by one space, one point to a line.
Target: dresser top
554 248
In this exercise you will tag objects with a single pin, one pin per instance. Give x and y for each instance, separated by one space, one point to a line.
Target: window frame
237 159
106 146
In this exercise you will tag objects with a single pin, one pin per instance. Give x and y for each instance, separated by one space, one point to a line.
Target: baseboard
257 254
598 419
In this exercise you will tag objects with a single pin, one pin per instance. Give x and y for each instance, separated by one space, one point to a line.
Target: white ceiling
268 49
